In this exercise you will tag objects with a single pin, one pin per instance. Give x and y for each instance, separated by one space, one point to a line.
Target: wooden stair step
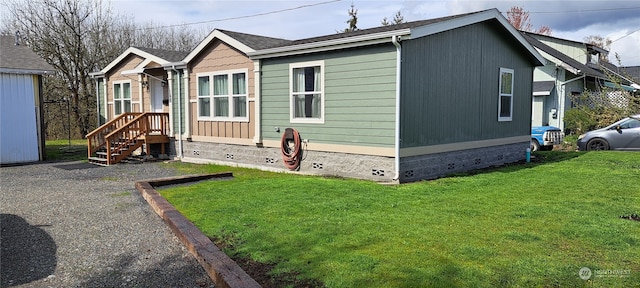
98 161
105 154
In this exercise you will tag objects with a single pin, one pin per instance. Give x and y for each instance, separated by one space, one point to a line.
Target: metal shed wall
19 141
450 80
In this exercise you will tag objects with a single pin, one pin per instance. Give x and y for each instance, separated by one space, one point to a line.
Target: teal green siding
102 106
359 97
449 89
178 104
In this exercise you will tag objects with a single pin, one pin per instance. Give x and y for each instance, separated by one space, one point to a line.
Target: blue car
622 135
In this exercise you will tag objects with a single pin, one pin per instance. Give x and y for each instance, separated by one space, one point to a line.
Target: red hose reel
291 146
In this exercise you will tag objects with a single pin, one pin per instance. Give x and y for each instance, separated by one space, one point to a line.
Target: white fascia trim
24 71
136 51
334 44
217 34
476 18
174 65
132 72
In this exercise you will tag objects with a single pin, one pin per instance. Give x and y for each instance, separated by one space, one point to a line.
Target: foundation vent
478 161
196 152
376 172
270 160
409 174
229 156
317 166
451 166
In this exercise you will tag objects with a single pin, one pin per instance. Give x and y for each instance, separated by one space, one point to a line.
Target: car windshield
630 123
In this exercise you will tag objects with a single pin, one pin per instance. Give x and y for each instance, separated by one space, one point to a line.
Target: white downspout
562 102
173 68
396 42
257 138
187 114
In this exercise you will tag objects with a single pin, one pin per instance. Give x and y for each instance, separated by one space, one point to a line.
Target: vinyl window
121 97
505 97
222 95
307 92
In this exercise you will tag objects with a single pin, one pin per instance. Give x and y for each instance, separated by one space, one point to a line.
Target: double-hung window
307 92
505 98
222 95
121 97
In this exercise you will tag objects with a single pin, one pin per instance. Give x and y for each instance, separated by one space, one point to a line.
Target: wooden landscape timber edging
221 269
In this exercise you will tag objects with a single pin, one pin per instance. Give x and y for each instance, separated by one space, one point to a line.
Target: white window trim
229 74
115 102
500 94
292 66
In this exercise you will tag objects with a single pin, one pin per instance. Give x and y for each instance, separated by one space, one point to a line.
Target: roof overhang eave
174 65
476 18
340 43
132 72
26 71
217 34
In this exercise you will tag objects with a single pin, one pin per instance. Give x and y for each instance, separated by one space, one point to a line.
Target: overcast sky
619 20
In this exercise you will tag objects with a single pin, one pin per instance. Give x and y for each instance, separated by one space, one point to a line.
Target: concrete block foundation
376 168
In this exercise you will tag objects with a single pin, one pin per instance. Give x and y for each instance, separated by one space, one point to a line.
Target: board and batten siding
219 57
359 97
178 104
115 75
102 106
450 80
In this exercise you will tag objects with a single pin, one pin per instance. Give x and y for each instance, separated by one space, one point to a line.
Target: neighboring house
572 69
633 72
22 136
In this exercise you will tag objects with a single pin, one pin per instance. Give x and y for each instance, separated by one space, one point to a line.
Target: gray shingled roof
169 55
256 42
20 57
561 56
543 86
633 72
381 29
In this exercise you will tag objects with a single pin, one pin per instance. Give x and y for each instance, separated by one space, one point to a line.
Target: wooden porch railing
96 139
124 134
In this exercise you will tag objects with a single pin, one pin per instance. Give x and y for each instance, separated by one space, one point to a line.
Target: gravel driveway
74 224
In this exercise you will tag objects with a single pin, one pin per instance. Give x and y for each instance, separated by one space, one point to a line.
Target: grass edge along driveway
522 225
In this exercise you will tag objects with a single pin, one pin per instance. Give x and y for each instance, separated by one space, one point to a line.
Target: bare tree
63 32
601 42
77 38
519 18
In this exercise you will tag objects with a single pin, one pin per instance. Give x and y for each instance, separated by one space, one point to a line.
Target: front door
157 94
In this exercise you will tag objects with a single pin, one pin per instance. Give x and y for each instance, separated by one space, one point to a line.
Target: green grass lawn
60 150
529 225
